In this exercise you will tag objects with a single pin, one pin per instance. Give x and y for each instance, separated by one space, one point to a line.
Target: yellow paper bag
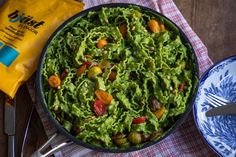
25 27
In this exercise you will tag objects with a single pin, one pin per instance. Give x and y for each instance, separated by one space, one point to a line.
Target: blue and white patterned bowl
219 131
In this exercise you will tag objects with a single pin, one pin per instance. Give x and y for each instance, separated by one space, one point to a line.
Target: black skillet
62 131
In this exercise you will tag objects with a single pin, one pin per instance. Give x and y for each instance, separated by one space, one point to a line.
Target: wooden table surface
214 21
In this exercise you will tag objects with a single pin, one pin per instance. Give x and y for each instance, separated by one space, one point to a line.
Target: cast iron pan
79 142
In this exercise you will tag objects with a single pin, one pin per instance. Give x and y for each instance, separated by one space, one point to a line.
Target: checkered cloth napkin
185 140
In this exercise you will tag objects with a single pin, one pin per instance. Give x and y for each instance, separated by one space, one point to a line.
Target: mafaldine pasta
25 27
118 77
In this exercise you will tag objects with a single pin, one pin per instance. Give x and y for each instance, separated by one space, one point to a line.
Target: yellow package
25 27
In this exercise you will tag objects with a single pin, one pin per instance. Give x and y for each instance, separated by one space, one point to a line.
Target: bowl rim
202 80
60 129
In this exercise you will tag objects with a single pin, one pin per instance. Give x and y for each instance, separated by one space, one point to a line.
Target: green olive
104 64
125 145
120 141
135 137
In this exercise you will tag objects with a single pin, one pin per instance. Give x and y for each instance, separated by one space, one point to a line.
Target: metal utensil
215 100
221 106
9 124
31 81
39 152
229 109
26 132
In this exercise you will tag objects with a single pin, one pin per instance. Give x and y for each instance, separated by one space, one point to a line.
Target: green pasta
148 76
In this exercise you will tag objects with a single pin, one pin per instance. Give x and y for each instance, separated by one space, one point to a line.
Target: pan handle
38 153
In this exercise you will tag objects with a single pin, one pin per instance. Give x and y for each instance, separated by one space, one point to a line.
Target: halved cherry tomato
139 120
87 64
94 71
105 97
154 26
64 74
162 27
101 43
99 107
112 76
81 70
159 113
123 30
54 81
120 141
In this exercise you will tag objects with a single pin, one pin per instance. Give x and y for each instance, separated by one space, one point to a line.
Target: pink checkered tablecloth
185 140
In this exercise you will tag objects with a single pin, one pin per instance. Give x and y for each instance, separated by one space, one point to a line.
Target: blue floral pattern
219 131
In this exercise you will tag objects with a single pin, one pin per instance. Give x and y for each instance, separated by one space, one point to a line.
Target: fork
216 101
220 105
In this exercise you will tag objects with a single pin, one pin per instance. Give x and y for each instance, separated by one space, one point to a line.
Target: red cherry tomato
64 74
139 120
99 107
87 64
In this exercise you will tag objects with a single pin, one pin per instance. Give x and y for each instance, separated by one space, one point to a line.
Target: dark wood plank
36 136
214 21
3 137
23 109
